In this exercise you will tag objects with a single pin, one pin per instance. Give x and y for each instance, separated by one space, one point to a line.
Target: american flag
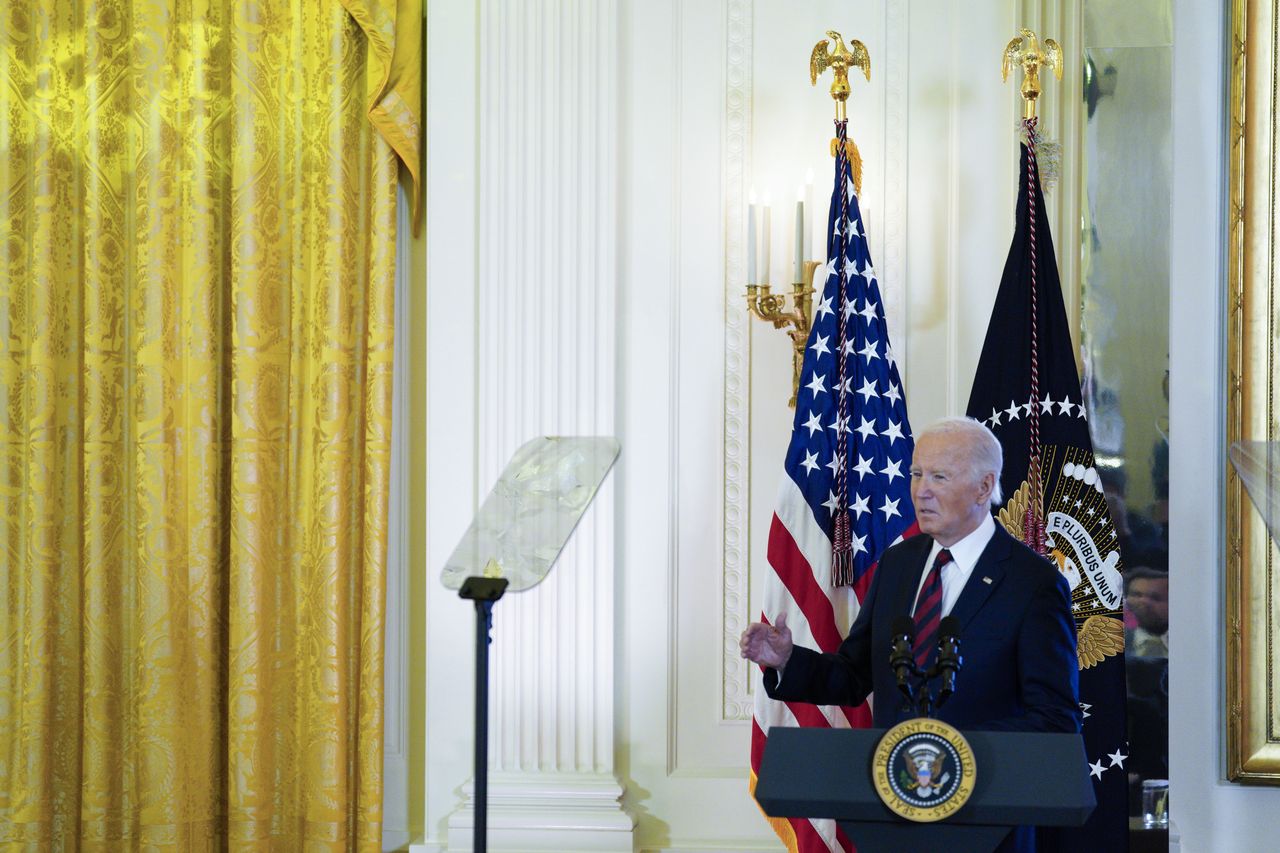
849 455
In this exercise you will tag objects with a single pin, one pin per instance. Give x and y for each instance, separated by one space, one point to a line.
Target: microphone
949 659
901 658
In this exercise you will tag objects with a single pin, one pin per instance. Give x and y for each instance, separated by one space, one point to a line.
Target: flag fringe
855 161
1048 157
842 552
781 825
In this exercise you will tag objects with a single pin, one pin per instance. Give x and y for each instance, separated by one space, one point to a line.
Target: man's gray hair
985 454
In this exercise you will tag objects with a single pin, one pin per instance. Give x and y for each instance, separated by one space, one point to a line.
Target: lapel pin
986 579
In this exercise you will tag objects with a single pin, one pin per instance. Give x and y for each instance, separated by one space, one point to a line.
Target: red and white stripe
819 616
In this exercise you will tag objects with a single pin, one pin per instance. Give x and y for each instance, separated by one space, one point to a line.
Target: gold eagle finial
1025 50
839 60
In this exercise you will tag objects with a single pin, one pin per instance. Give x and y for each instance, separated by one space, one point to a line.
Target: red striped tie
928 611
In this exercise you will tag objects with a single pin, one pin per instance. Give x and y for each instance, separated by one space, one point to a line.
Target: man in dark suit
1017 632
1146 664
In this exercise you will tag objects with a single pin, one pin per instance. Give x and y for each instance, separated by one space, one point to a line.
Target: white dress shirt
1149 645
964 556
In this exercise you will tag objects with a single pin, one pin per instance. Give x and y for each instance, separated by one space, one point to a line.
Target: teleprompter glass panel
530 512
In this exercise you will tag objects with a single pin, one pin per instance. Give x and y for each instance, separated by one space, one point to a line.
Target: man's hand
767 645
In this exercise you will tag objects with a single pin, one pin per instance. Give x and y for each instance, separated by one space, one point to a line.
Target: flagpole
1050 476
1025 50
839 59
810 493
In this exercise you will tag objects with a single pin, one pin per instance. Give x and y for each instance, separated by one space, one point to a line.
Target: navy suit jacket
1017 640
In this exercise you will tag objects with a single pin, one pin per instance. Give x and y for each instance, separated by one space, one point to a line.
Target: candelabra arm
766 305
771 307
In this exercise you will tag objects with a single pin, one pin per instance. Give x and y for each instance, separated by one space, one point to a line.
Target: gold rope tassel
855 161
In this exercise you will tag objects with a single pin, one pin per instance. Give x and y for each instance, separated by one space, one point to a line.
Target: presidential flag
1027 391
844 495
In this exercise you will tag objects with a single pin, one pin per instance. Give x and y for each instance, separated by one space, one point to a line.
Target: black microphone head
949 627
902 625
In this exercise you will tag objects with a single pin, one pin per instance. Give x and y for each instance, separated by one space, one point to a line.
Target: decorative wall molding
893 196
957 399
1062 120
674 319
547 814
546 355
735 675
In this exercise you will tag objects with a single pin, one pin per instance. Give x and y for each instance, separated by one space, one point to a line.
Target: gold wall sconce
772 308
761 301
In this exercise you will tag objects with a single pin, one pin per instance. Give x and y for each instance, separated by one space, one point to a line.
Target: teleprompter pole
484 591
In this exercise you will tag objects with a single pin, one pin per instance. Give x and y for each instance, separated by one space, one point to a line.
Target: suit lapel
906 592
985 577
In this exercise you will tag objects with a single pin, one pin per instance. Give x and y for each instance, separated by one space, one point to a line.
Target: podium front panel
1023 778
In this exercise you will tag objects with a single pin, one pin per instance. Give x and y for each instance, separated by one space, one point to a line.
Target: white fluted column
546 353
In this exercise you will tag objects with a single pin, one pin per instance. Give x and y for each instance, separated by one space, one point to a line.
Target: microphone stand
902 661
948 663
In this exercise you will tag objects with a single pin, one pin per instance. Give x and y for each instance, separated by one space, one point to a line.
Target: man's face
949 500
1148 599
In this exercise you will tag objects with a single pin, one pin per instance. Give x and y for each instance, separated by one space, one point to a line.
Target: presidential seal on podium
923 770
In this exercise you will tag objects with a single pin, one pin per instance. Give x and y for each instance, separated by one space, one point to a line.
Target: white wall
452 459
1210 813
709 98
722 103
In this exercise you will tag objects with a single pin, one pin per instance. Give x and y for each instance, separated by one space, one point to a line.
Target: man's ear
985 487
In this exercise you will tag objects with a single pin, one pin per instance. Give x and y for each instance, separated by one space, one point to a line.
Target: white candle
812 251
764 241
821 212
799 242
751 237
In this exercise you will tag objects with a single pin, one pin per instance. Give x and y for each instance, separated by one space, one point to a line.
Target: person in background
1146 653
1135 533
1147 598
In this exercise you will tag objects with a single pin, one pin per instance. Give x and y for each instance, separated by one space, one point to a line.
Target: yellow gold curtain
197 232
